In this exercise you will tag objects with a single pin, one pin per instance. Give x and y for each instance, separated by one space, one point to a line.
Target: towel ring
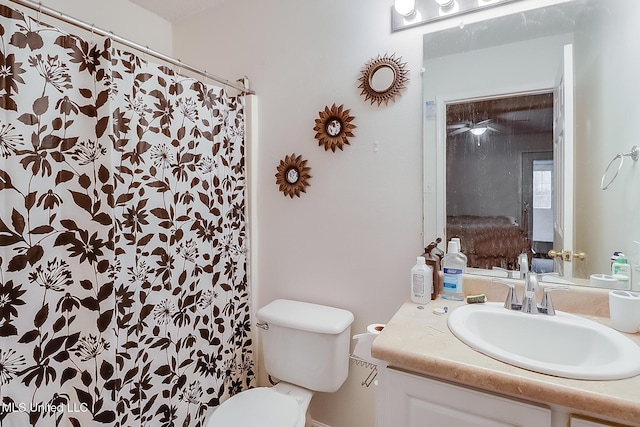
634 156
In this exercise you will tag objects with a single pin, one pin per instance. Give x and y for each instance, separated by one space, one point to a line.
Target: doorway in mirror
499 179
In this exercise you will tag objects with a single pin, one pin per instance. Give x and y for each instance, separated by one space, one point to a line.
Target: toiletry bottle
421 282
432 257
453 266
621 271
464 257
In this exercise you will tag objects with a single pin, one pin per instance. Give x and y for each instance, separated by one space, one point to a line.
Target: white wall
121 17
351 240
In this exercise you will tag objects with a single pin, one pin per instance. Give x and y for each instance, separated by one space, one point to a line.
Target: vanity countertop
418 340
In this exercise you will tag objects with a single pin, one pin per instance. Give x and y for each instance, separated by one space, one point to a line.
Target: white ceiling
175 10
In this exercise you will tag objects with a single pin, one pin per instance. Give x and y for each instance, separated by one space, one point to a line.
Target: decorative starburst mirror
334 127
383 78
293 175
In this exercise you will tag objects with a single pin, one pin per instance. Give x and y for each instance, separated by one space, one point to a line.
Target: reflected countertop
419 341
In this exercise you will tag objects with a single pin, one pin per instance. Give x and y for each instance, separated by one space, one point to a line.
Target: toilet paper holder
361 355
368 365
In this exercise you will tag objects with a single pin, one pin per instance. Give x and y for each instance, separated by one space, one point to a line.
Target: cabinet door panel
423 413
412 401
583 422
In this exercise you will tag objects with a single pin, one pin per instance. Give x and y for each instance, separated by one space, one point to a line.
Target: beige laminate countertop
418 340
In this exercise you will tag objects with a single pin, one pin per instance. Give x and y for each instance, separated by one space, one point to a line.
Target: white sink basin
563 345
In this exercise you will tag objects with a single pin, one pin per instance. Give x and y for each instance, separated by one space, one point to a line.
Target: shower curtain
123 289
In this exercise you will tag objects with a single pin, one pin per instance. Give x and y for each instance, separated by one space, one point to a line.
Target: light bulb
452 7
405 7
444 3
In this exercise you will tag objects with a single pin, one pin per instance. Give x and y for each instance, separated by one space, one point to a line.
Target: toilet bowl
284 405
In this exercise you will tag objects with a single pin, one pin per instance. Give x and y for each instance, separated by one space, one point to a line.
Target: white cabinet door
580 422
407 400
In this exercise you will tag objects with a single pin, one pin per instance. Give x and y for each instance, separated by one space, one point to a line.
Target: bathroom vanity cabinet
433 379
409 400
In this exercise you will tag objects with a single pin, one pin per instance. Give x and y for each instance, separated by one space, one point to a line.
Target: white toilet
306 347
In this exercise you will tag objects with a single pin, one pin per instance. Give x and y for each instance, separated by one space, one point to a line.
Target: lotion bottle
421 282
454 265
621 271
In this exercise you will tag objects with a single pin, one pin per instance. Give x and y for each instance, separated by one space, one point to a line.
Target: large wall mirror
523 113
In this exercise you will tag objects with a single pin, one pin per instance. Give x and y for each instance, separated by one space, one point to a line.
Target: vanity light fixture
406 8
451 8
445 3
411 13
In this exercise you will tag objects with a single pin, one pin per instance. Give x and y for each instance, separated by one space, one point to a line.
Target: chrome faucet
529 304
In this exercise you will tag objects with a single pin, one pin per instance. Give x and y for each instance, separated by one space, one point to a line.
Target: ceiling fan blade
458 131
493 129
457 126
484 122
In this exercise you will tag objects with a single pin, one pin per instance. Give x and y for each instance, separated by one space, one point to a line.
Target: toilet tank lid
306 316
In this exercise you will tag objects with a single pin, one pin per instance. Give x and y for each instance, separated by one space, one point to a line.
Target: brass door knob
581 256
555 254
567 256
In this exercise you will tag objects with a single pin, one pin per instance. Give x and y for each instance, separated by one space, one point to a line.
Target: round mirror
333 127
382 78
292 176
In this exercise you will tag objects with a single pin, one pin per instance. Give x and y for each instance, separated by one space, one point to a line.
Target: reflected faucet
523 262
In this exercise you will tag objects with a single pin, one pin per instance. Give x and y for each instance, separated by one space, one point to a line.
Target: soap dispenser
621 271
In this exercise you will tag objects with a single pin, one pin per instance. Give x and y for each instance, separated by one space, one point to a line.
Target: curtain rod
144 49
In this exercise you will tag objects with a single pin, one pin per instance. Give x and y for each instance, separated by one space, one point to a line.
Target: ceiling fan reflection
476 129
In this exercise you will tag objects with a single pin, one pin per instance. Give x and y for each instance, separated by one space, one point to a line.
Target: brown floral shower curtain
123 288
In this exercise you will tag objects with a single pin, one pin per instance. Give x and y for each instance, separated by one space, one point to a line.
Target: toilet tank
306 344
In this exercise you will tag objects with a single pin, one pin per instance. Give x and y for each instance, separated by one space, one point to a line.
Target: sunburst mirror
293 175
334 127
383 78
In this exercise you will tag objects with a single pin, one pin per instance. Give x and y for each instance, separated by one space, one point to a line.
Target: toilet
306 347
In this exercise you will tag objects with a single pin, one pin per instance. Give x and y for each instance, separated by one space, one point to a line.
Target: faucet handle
546 304
512 299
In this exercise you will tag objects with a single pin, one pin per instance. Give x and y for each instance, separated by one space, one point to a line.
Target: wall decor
383 78
334 127
293 175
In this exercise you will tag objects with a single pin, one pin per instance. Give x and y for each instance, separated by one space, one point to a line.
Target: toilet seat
258 407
